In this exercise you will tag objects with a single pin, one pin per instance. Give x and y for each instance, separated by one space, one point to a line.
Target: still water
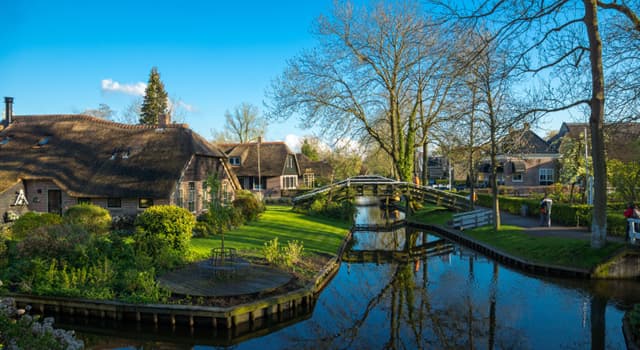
444 298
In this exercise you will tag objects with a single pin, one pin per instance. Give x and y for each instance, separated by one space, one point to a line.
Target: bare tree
368 78
103 111
243 125
562 47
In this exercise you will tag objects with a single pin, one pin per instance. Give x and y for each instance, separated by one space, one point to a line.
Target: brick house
524 160
61 160
269 167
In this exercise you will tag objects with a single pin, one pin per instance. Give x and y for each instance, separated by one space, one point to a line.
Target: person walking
545 211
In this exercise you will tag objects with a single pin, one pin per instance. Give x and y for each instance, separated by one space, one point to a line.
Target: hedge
561 213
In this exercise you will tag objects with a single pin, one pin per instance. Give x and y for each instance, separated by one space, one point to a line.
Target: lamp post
259 172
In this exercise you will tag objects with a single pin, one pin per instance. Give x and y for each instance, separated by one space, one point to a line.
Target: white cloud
294 142
187 107
136 89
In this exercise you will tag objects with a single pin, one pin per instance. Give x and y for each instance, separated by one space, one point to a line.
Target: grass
548 250
319 235
432 214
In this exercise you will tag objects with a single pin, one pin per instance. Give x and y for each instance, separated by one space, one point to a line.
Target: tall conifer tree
155 99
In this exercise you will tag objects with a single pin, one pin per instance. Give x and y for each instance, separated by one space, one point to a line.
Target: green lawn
432 214
319 235
548 250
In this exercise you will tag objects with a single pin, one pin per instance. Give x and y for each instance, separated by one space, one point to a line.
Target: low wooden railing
471 219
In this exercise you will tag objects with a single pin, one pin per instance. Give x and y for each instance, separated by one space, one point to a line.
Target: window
226 196
5 140
84 200
205 194
289 182
546 176
516 177
44 141
144 203
257 184
234 160
114 203
179 199
289 161
309 179
191 203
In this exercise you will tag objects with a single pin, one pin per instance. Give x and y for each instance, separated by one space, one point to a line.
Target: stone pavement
532 227
206 280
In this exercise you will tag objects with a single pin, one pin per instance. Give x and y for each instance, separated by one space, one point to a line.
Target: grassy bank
432 214
319 235
514 241
548 250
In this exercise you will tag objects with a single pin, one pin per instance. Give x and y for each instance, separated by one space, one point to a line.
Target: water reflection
446 299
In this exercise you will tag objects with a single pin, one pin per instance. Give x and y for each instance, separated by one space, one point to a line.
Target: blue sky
67 56
212 55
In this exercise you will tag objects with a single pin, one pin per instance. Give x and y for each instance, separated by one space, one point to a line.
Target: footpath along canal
409 289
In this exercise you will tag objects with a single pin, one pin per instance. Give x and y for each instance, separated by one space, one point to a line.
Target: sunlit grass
432 214
547 250
319 235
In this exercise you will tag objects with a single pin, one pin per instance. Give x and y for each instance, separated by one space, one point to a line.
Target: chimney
164 119
8 116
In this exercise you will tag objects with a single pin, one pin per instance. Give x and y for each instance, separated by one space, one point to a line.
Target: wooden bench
472 219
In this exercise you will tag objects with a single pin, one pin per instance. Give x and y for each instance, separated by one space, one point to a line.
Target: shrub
95 219
10 216
163 233
343 210
57 241
278 255
123 222
271 251
30 221
292 253
250 207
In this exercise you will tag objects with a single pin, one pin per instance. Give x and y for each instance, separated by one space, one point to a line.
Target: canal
407 289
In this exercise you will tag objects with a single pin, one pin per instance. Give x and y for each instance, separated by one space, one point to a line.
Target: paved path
204 279
532 227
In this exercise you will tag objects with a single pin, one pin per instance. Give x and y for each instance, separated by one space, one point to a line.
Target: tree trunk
596 121
425 164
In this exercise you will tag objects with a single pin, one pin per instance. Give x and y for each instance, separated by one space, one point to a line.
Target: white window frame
289 182
309 179
517 177
234 160
545 176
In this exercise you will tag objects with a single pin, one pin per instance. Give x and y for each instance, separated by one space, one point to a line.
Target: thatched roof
319 167
524 141
92 157
273 156
621 139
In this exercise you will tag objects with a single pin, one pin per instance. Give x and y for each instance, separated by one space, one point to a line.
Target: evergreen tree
155 99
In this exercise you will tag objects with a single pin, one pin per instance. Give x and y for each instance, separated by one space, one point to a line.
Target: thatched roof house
60 160
314 172
269 167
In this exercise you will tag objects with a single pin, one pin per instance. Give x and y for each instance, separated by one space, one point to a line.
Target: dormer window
44 141
124 154
234 160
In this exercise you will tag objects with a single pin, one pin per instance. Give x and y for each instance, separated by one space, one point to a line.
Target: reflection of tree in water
413 320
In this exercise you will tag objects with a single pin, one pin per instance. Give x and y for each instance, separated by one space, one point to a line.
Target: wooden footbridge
426 250
379 186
